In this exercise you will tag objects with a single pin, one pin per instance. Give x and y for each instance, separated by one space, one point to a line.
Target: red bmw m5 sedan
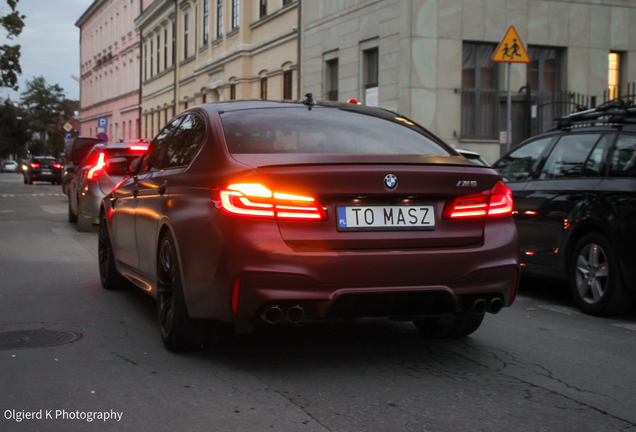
294 212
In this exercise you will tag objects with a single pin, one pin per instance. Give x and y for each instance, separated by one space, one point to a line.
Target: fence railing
480 113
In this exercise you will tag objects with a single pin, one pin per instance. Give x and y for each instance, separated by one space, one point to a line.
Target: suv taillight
496 202
94 171
255 200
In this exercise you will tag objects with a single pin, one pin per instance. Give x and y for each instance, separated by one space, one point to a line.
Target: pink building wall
110 68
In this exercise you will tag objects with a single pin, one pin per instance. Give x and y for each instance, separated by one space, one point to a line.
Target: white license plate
46 172
386 218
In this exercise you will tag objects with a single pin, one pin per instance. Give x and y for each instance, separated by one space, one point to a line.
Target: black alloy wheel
595 278
111 280
179 332
72 217
460 325
177 329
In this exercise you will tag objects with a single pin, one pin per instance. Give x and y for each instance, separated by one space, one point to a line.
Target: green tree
12 23
14 133
46 107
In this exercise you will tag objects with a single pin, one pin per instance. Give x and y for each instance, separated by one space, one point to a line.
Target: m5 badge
466 184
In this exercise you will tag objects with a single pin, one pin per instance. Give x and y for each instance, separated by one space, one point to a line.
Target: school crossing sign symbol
511 49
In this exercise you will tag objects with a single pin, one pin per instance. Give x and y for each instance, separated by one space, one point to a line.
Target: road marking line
7 211
560 310
631 327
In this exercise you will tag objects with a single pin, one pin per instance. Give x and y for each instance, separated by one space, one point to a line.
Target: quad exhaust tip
295 314
495 305
479 307
273 315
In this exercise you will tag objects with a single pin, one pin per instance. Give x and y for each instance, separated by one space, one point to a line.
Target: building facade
198 51
430 60
110 62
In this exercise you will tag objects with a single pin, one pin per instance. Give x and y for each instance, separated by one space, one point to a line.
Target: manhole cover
36 339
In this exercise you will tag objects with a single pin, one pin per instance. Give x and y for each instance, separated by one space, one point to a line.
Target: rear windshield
81 147
324 130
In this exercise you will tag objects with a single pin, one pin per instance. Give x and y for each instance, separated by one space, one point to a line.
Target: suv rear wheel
595 278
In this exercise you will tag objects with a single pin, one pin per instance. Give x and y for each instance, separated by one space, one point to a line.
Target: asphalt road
537 366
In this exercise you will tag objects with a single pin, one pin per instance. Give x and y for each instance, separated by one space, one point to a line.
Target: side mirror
134 166
117 166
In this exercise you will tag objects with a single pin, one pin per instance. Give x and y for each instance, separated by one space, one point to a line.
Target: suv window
624 157
150 161
593 165
185 142
568 156
518 165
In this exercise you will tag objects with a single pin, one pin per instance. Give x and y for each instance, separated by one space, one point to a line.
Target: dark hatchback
248 212
574 194
43 168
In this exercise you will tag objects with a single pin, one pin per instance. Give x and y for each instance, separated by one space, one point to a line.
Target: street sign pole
510 50
509 110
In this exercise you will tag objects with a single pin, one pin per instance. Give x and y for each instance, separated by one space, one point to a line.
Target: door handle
135 191
162 188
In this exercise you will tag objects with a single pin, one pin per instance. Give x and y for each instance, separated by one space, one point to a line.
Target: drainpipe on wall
141 70
174 55
299 48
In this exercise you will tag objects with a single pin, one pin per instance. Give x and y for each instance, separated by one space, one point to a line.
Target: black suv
574 192
42 168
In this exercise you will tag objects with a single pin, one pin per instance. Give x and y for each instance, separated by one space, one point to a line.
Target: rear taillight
92 173
497 202
255 200
57 166
33 165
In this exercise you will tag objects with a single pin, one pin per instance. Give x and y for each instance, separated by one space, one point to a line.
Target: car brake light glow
57 166
140 148
497 202
92 173
254 199
34 165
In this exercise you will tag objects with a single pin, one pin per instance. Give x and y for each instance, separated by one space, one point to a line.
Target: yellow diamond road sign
511 49
68 127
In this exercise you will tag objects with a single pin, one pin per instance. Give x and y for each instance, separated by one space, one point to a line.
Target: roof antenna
308 100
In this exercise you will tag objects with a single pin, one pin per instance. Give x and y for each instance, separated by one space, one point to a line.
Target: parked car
271 212
75 154
100 171
9 166
574 192
42 168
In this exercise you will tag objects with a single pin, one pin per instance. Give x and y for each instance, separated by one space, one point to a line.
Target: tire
461 325
83 224
30 180
595 278
111 280
72 217
178 331
24 178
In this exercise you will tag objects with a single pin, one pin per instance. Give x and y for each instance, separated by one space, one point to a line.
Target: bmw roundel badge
390 181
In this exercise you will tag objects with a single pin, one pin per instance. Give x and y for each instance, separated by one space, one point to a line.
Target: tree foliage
12 23
14 132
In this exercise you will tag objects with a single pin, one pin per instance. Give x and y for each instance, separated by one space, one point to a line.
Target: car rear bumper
91 199
354 283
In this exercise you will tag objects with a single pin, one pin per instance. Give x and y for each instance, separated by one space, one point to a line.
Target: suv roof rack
614 112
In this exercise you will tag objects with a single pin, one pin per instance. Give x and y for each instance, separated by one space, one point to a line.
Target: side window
569 156
518 164
150 161
593 165
624 157
185 143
